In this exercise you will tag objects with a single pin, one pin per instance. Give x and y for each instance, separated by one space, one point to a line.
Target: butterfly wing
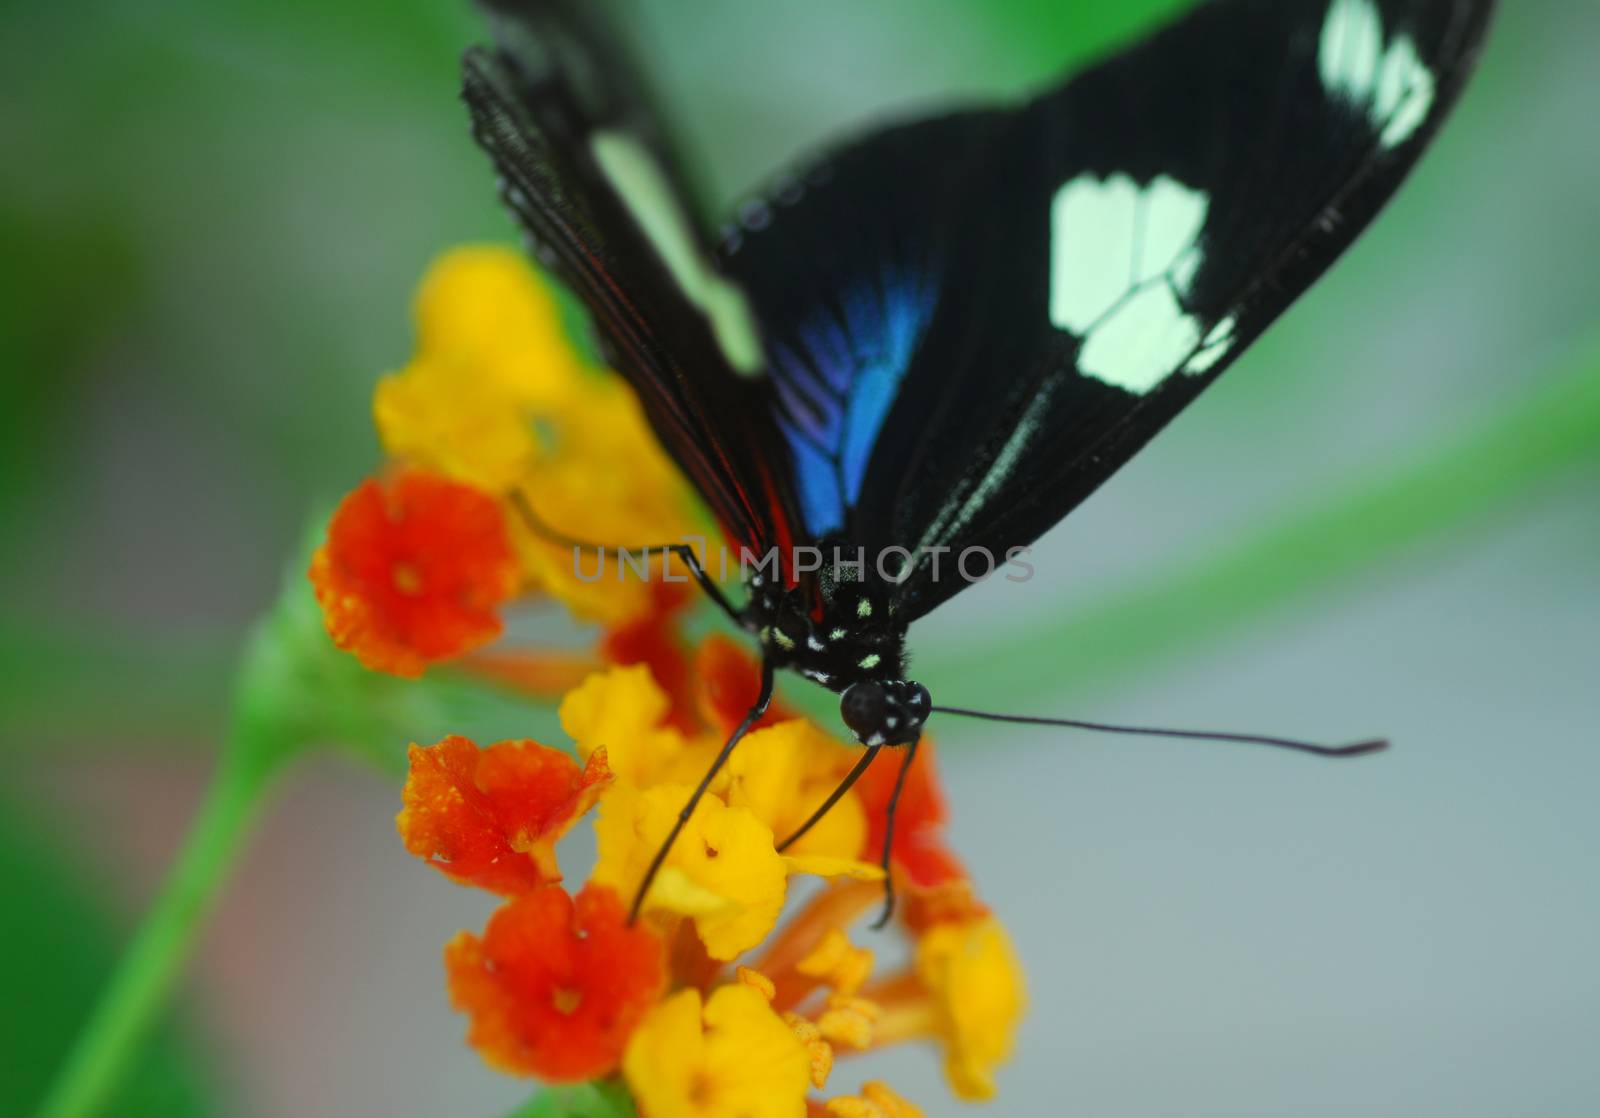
973 321
586 168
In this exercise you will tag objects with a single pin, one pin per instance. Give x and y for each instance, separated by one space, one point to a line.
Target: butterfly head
848 640
885 712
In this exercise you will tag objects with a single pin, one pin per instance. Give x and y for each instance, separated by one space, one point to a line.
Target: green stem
139 989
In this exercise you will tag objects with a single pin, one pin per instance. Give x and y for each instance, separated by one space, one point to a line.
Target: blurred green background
213 219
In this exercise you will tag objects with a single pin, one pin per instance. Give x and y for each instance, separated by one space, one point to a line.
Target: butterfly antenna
542 528
538 526
1356 749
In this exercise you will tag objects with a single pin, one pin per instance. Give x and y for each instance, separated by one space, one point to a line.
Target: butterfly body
843 636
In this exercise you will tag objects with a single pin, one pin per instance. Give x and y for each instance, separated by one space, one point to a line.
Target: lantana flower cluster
744 978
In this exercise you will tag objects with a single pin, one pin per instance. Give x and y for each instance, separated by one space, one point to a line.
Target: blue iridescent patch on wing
835 380
822 501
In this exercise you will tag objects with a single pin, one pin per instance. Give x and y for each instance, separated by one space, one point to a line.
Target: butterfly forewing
974 320
586 169
946 334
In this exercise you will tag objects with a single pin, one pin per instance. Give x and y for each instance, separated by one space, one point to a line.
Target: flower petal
976 981
733 1058
491 817
554 988
655 641
784 773
826 865
626 711
728 679
413 572
604 478
485 311
936 885
722 871
496 395
427 414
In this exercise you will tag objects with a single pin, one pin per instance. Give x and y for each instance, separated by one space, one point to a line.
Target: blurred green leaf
63 286
587 1100
57 947
108 690
1069 35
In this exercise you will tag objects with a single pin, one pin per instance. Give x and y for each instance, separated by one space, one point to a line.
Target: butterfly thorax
843 636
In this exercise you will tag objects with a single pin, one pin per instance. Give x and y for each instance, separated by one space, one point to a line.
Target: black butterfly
937 339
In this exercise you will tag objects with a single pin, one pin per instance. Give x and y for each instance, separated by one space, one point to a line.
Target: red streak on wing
780 523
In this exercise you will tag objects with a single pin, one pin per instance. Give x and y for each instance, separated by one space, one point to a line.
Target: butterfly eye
918 701
863 707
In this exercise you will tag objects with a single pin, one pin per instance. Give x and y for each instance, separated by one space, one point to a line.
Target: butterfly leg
750 719
888 835
682 550
686 553
833 797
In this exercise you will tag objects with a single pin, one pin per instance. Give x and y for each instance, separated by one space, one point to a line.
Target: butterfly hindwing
846 263
973 321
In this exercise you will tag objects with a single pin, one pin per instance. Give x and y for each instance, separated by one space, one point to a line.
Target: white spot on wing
1347 54
1221 332
639 182
1394 86
1138 346
1092 227
1213 347
1184 269
1174 216
1135 332
1405 93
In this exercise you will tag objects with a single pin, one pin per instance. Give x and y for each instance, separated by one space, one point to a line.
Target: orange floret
414 571
654 641
555 987
491 817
